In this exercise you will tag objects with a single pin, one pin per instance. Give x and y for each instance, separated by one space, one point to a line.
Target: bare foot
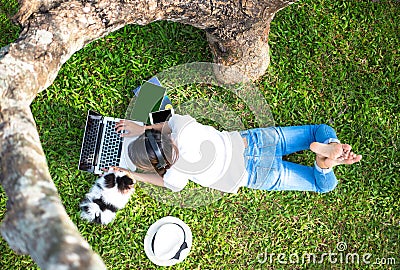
346 147
332 150
324 162
346 152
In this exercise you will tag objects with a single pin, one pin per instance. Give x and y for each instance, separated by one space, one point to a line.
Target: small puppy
110 193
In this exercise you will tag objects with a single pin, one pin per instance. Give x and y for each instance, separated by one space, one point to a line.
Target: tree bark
36 222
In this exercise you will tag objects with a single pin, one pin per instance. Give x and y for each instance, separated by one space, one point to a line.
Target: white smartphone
160 116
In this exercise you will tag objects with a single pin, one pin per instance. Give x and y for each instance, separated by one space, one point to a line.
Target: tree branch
36 222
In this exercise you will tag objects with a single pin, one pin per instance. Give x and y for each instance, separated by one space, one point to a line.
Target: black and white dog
110 193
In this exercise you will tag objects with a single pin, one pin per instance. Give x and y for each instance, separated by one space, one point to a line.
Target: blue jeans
266 169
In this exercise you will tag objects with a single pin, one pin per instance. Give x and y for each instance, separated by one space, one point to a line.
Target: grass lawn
334 62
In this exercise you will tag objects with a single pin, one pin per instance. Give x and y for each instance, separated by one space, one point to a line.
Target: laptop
102 147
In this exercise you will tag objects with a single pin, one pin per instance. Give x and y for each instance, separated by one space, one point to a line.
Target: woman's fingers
120 122
118 169
114 169
121 126
120 129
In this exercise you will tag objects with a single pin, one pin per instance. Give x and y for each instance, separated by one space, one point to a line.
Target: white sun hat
168 241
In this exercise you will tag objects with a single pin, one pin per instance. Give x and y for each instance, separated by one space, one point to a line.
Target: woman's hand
151 178
131 129
162 127
119 169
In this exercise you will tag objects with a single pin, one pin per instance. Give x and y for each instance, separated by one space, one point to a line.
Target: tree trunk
36 222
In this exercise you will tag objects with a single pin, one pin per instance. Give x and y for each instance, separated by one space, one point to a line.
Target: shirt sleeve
175 180
178 122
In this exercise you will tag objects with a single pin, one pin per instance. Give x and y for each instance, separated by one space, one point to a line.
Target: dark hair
143 156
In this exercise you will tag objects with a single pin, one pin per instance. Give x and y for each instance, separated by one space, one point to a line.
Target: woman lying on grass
170 153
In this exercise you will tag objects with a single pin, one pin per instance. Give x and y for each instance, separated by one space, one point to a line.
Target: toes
337 151
346 147
353 159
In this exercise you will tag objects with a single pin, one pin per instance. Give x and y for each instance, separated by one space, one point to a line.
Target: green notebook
149 100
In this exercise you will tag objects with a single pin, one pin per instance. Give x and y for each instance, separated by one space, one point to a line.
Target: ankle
321 162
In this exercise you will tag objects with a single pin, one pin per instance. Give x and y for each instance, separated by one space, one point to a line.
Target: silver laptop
102 147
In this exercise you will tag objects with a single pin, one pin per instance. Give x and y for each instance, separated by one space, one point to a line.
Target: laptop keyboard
89 146
112 146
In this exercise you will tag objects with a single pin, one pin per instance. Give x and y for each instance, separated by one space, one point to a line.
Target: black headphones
161 161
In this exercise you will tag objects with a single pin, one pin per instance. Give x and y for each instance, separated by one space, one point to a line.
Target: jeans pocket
267 138
261 179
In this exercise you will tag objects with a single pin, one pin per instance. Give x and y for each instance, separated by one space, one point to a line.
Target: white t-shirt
206 156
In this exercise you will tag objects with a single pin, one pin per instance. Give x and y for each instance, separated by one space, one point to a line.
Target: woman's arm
163 126
132 129
150 178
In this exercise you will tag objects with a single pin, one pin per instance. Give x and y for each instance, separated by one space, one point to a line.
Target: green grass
332 62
